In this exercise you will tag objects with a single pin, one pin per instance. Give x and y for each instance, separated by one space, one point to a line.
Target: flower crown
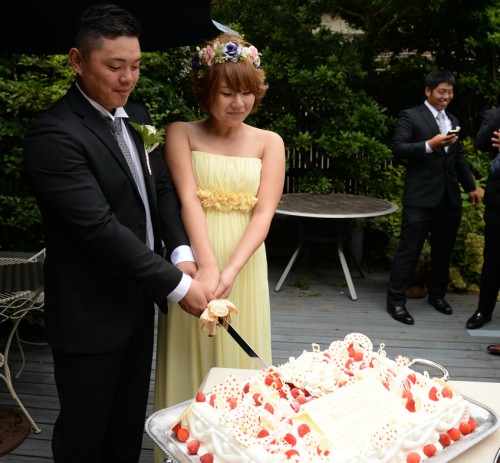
220 52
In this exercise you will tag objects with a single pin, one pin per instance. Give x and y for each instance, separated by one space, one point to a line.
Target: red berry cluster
445 439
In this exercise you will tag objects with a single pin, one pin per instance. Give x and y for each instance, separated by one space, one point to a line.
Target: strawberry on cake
346 404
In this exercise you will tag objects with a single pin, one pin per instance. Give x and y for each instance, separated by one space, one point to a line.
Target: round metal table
336 206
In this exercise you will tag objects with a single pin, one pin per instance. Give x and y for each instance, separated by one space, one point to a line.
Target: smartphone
454 131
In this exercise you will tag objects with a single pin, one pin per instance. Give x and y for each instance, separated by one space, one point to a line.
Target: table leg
343 261
347 273
289 266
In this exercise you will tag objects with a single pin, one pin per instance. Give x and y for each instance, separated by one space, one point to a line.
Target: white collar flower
151 138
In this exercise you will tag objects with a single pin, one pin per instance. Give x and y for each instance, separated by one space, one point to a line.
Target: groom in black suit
435 169
107 223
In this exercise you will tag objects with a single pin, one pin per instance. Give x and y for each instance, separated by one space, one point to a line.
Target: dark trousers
442 223
103 399
490 274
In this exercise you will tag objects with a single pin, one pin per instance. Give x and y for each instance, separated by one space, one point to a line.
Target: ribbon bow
215 309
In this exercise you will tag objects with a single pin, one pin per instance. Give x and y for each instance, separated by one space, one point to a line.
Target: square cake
345 404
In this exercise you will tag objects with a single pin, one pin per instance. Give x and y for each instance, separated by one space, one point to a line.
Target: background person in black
488 139
435 169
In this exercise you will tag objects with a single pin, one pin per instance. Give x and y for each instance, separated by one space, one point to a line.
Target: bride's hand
187 267
209 277
225 285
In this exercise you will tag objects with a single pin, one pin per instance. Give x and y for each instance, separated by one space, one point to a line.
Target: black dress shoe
400 314
477 321
494 349
441 305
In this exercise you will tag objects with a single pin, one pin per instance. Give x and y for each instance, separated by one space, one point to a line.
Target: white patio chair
21 293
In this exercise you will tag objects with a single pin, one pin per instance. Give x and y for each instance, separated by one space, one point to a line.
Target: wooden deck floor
322 313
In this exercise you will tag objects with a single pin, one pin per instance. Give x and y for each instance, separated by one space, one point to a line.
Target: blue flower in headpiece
232 51
196 63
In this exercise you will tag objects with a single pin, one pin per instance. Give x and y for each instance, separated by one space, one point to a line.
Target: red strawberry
407 393
183 434
268 380
176 428
444 439
257 398
413 458
212 400
193 446
246 388
303 429
300 399
454 434
430 450
473 424
447 392
269 408
290 438
433 393
358 356
233 402
263 433
290 453
207 458
410 405
465 428
200 396
295 392
412 378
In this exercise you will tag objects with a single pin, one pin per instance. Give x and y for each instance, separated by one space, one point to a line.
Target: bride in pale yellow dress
229 177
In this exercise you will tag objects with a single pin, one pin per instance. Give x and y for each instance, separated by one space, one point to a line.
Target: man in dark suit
435 169
488 139
105 232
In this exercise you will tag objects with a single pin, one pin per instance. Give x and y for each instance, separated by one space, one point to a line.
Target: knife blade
242 343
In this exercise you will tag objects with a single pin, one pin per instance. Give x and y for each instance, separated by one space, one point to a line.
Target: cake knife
242 343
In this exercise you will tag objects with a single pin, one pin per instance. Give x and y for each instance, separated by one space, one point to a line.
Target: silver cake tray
159 424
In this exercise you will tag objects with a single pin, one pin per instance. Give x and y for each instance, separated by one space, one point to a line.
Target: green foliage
330 94
28 85
316 99
315 182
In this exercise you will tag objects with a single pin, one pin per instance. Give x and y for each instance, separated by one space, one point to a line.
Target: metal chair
21 293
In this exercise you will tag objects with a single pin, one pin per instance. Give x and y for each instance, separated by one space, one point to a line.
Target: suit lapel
430 119
92 119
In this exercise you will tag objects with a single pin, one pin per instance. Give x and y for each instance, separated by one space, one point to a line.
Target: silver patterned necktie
116 127
442 122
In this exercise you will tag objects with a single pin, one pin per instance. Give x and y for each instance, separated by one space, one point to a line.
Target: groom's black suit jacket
100 276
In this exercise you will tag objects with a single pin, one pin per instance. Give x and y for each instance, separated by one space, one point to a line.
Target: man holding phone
426 139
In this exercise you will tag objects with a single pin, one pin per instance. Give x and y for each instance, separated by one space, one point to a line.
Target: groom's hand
196 299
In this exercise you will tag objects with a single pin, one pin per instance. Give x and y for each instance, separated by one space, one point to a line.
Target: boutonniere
151 138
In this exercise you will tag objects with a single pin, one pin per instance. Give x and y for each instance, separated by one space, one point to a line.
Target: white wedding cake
346 404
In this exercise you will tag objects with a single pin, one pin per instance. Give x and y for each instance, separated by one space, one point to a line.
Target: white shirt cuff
428 149
181 290
182 253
